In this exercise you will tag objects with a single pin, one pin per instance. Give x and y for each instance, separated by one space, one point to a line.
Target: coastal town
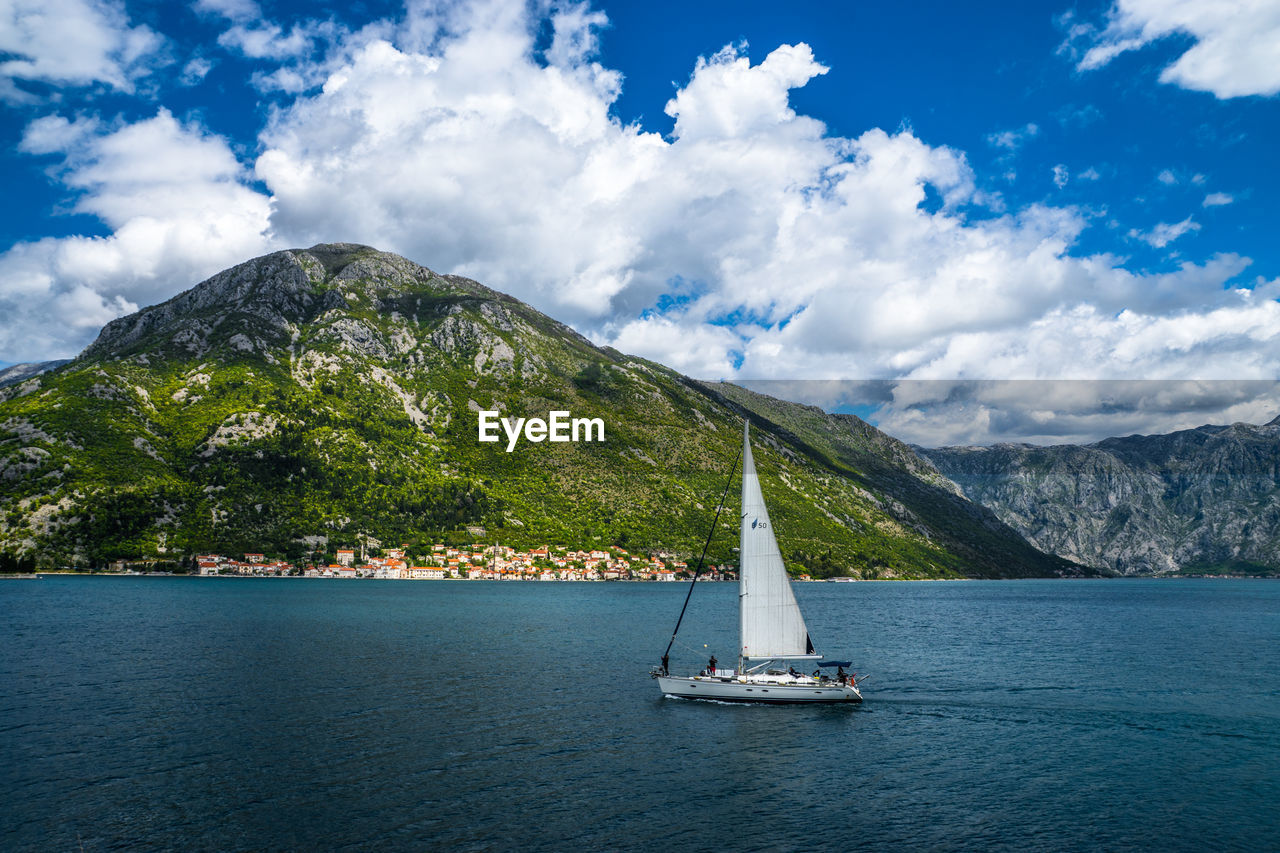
475 562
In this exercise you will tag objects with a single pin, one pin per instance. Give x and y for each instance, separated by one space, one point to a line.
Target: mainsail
772 626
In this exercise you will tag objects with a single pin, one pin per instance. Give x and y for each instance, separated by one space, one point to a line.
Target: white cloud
1012 140
936 413
1237 49
574 35
796 253
703 350
179 211
265 40
468 165
54 134
1167 177
71 42
196 70
468 160
729 98
995 304
285 79
1218 199
254 37
1089 174
1060 176
232 10
1230 342
1164 233
939 412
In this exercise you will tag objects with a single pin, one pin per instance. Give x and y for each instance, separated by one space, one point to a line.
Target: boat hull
733 690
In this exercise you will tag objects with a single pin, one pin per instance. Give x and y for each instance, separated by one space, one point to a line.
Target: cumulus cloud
1001 307
54 133
1218 199
1232 341
942 412
266 41
196 69
1013 139
176 203
728 98
468 160
704 350
747 241
254 37
233 10
1164 233
938 413
70 43
1236 51
469 163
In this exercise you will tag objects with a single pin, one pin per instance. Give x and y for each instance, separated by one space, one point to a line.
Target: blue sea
257 714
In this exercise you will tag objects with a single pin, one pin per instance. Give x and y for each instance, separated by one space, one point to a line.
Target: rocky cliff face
1205 499
319 394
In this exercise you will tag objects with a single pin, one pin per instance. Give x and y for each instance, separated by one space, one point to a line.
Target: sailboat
772 628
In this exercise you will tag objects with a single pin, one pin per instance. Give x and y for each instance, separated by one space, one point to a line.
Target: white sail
772 626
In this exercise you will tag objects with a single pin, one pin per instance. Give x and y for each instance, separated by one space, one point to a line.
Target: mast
701 561
771 625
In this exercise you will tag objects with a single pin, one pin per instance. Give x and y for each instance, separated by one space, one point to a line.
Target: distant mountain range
1197 500
18 372
307 397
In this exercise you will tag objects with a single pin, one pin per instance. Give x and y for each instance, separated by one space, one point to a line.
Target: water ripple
178 714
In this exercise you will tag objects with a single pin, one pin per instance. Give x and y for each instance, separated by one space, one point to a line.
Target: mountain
1197 500
305 398
18 372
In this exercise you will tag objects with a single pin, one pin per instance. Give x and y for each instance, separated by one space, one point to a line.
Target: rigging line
689 648
702 558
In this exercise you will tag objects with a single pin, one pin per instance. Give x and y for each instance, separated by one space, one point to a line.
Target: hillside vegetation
303 398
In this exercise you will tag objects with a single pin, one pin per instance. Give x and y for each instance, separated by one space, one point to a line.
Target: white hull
757 690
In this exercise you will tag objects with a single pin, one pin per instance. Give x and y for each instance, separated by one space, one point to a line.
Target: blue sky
959 74
916 191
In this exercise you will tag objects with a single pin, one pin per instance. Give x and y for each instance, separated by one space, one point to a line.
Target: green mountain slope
311 396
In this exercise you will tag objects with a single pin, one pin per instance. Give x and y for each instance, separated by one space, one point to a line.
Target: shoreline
109 574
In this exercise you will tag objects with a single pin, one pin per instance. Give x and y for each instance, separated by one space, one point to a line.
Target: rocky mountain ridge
1204 499
19 372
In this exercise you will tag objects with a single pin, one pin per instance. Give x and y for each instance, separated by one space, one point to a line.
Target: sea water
260 714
